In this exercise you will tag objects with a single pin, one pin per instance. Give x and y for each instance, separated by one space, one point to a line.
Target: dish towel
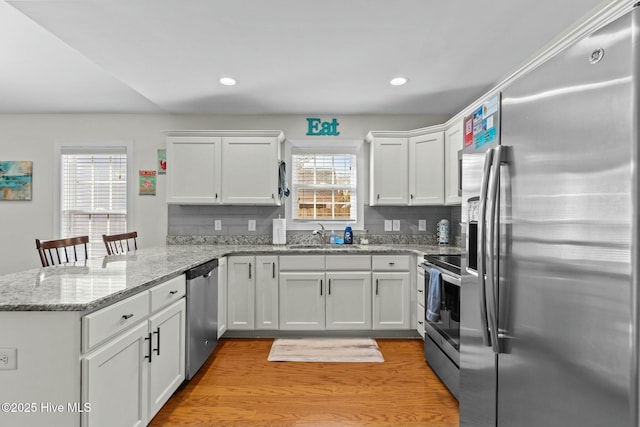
434 297
283 189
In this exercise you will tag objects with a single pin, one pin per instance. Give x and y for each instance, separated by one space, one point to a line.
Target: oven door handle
445 275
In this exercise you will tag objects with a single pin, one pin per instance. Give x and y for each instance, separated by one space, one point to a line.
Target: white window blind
324 186
93 194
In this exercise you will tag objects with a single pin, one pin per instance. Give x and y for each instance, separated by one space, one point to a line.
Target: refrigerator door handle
491 240
486 339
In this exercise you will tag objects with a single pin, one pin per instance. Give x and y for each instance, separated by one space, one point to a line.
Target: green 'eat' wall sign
316 127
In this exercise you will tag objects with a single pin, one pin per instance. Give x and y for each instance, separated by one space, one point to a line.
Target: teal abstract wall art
15 180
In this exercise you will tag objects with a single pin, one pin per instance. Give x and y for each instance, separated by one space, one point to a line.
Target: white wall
32 137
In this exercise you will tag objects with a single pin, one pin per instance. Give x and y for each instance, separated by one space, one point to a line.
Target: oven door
446 331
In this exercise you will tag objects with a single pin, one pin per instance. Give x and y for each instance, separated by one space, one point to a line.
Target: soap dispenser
348 235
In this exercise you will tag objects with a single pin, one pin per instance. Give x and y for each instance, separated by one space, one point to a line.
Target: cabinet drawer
420 320
302 263
390 263
420 288
103 324
348 262
164 294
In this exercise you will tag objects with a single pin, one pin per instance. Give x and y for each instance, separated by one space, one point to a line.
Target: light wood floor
239 387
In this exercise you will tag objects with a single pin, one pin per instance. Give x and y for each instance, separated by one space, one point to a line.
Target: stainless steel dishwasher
202 315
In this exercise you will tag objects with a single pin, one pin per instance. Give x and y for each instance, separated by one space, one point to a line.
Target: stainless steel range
442 321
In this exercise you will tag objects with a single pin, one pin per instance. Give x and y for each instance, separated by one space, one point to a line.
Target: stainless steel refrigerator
550 221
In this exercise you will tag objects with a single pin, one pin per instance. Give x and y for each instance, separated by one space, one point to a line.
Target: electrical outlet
388 225
396 225
252 225
8 358
422 225
217 225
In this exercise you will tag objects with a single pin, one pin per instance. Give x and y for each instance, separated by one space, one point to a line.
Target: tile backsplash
195 220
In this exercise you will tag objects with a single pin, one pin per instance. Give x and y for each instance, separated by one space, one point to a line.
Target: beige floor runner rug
325 350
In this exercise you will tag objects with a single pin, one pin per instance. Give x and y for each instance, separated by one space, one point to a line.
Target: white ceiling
289 56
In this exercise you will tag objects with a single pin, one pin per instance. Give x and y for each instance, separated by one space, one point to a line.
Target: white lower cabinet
302 304
318 292
391 301
336 299
348 300
252 292
266 316
115 381
127 379
222 296
391 292
167 363
241 292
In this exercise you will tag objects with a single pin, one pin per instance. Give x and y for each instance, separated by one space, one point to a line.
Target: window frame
324 146
98 147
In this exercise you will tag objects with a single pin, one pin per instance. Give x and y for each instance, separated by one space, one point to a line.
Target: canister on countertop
279 231
442 232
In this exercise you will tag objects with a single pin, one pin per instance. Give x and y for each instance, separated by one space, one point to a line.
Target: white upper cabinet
407 168
223 167
250 170
453 141
194 174
426 169
389 177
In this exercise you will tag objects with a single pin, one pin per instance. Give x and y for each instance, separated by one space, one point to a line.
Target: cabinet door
250 171
194 174
114 381
222 296
240 292
453 141
167 367
389 174
302 302
426 169
348 300
391 307
267 292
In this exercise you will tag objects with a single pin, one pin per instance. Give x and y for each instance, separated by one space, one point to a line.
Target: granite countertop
89 285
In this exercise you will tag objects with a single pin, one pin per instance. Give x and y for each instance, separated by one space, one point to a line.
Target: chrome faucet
321 234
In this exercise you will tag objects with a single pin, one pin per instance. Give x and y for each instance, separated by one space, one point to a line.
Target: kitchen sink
319 246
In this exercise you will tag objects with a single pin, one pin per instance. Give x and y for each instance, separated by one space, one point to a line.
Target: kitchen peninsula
57 319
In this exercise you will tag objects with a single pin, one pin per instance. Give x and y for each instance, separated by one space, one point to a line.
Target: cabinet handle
419 322
320 287
420 290
329 286
273 270
377 280
173 292
157 332
216 196
412 197
249 270
273 196
150 348
127 316
378 196
392 263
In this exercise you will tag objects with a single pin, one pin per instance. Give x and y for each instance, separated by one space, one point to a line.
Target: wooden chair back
62 251
120 243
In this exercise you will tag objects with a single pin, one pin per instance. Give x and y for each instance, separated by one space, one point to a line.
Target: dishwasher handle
202 270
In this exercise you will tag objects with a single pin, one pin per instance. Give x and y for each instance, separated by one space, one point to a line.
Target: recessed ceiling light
398 81
227 81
